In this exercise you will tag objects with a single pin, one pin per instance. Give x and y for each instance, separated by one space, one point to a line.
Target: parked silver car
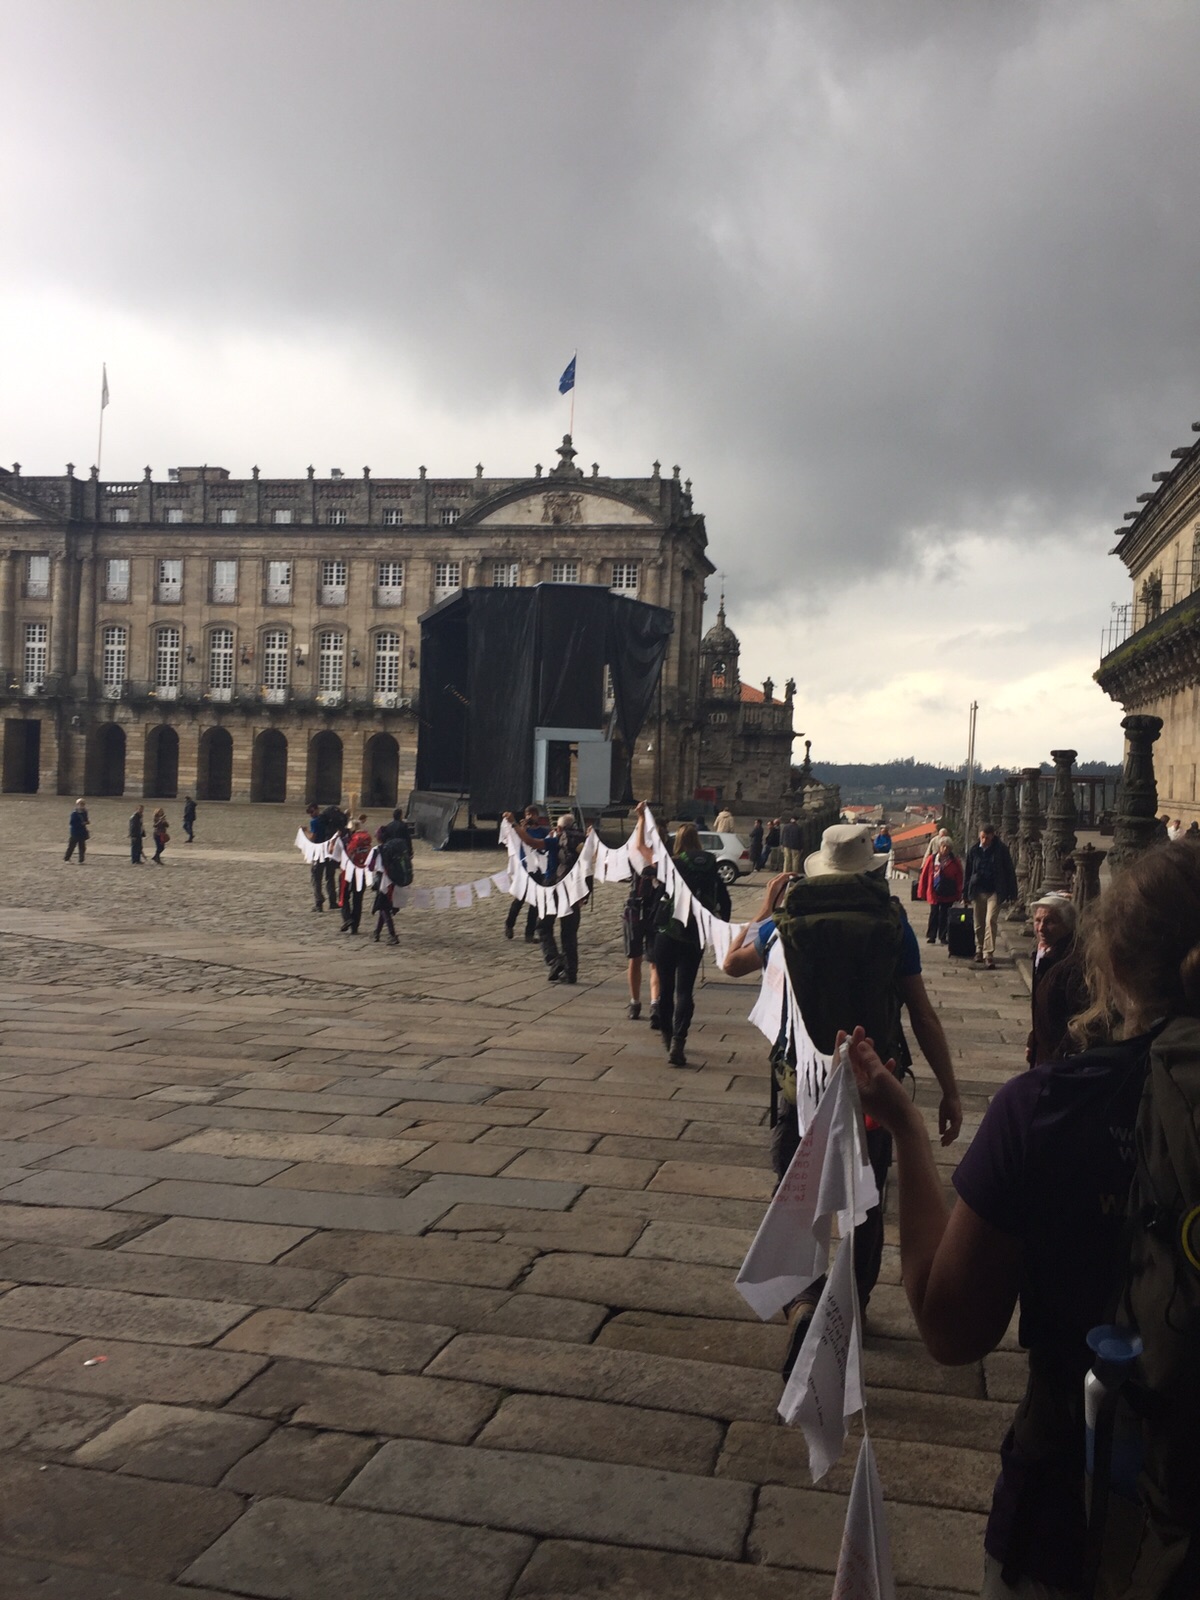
733 857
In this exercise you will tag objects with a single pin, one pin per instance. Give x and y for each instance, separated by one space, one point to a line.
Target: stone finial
537 469
70 469
421 472
94 474
595 469
1088 862
16 469
566 467
479 469
312 472
687 486
655 469
768 689
675 473
366 472
147 474
254 473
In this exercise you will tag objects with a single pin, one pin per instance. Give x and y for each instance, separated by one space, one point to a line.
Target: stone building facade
255 638
746 742
1151 650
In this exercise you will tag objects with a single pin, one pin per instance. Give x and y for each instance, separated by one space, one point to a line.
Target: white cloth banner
502 880
483 887
864 1569
825 1387
462 895
767 1014
442 898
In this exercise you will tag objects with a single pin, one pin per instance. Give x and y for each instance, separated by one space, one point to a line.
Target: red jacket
951 872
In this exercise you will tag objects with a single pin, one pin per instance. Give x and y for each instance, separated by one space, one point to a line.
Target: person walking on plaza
756 843
357 844
324 873
1059 988
1074 1198
724 822
677 946
850 952
533 829
137 832
77 831
161 835
189 819
565 844
637 922
941 886
990 882
791 838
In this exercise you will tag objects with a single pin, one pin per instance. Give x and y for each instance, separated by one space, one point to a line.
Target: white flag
826 1383
864 1569
483 887
103 384
462 895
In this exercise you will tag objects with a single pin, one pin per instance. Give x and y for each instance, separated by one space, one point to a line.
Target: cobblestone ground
334 1269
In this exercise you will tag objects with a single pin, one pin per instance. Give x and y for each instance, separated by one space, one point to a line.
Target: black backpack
395 857
334 819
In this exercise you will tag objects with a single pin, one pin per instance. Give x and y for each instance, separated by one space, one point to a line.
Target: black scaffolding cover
498 663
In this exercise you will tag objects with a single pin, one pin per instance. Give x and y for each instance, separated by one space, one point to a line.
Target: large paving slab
402 1272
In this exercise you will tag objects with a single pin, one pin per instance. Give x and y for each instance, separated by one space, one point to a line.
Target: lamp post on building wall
1136 825
1061 817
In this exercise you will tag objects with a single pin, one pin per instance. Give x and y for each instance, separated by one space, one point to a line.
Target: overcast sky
908 289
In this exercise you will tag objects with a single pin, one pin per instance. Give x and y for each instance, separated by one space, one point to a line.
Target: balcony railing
333 594
389 596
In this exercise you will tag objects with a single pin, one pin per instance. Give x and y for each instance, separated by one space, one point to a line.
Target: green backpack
842 938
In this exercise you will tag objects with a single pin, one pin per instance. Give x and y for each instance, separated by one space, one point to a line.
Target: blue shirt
318 829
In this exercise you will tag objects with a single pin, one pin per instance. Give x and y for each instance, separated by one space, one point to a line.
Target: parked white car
733 857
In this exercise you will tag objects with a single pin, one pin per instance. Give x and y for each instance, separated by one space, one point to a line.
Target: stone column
1061 816
1136 824
1010 823
8 588
86 650
981 808
1088 862
59 617
1029 857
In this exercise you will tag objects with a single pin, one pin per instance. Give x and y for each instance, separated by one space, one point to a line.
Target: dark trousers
135 848
160 845
351 906
531 917
939 922
568 928
385 916
72 842
677 961
189 829
868 1236
324 883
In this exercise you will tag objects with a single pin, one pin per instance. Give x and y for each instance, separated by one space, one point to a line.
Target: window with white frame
37 637
228 515
393 516
119 514
281 517
174 513
564 572
387 663
506 574
37 577
335 516
166 662
114 660
116 579
449 516
447 578
220 663
389 589
170 582
279 583
333 583
276 662
331 663
625 577
224 582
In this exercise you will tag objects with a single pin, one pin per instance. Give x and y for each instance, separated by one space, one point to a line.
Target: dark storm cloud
875 273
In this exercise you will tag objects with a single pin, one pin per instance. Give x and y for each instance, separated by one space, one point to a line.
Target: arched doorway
162 763
22 754
381 771
106 760
268 767
214 767
325 768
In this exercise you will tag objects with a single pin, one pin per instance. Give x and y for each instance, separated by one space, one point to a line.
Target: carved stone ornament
1136 825
561 508
1061 817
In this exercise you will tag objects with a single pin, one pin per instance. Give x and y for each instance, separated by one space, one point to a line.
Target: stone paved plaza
329 1269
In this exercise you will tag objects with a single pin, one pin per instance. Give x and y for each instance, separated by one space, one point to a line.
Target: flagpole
103 404
571 424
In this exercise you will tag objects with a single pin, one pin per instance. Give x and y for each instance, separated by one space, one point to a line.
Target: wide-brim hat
846 848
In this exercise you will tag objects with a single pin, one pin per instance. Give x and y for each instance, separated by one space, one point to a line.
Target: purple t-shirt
1051 1165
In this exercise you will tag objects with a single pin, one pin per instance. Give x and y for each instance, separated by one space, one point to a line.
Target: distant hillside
908 780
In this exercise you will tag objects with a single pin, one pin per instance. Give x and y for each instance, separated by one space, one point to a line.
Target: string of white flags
829 1179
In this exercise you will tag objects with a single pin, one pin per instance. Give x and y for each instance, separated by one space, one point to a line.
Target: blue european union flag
567 381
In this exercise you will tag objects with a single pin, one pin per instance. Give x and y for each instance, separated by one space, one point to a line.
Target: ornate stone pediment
562 506
12 510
